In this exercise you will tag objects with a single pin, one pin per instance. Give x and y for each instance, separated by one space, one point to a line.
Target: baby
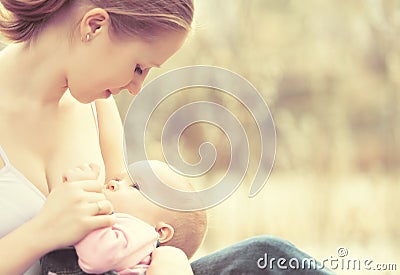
141 225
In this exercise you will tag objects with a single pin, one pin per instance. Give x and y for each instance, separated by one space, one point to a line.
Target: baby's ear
165 232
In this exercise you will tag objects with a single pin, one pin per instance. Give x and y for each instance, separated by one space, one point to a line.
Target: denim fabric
63 262
242 258
238 259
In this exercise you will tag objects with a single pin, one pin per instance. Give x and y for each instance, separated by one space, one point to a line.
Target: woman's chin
85 98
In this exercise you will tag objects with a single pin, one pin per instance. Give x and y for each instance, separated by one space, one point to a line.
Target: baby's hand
82 172
169 260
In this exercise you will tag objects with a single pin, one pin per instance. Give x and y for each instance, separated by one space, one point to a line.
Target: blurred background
330 74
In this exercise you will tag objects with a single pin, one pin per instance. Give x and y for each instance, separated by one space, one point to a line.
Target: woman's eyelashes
138 69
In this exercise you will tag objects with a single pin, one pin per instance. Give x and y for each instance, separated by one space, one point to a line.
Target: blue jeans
258 255
252 256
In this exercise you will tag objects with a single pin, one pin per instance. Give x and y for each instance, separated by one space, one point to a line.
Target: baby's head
185 230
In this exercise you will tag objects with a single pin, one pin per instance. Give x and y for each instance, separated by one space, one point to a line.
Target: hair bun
32 11
24 17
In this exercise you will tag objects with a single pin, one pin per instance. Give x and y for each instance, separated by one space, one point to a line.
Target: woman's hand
75 207
169 260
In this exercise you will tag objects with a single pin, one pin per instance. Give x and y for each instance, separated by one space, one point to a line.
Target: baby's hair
190 227
22 20
189 231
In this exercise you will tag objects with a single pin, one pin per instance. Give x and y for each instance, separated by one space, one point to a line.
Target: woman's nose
135 85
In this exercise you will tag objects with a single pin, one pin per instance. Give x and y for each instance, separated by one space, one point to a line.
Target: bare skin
45 129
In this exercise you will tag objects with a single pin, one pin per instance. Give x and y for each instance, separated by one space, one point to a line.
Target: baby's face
125 196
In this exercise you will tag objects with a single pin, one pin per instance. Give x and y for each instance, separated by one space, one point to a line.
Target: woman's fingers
89 185
93 197
102 221
102 207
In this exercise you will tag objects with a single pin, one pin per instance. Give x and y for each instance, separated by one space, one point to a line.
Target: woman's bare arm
47 231
111 137
22 247
69 213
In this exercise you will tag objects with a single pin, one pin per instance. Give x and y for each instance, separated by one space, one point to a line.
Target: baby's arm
96 250
119 247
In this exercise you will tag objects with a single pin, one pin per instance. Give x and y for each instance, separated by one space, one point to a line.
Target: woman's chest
43 148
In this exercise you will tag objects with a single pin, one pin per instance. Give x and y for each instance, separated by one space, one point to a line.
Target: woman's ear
165 232
93 22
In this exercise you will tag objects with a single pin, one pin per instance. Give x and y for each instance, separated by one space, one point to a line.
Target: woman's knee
267 241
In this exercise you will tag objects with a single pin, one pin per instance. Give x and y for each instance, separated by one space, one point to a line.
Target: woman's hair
22 20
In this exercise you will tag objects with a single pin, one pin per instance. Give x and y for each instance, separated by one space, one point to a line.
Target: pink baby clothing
125 247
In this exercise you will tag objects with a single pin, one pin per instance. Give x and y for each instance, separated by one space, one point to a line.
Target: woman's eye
138 69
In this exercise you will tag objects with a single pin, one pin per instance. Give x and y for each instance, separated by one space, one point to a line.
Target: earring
87 37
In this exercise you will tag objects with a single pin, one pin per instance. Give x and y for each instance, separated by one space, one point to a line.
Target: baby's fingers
92 170
95 168
82 172
74 174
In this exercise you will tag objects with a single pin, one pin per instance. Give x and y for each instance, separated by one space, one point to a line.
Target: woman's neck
34 72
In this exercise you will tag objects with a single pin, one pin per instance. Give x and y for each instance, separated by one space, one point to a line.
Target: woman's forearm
23 247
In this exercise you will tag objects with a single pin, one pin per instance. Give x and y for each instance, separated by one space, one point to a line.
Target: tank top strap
94 111
3 156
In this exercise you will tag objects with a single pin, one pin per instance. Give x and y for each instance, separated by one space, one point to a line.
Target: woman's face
103 66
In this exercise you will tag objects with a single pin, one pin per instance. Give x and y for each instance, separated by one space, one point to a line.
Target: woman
67 53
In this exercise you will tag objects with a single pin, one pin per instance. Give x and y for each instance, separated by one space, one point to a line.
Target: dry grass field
330 74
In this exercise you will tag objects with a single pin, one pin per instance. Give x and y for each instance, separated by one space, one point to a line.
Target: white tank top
20 200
